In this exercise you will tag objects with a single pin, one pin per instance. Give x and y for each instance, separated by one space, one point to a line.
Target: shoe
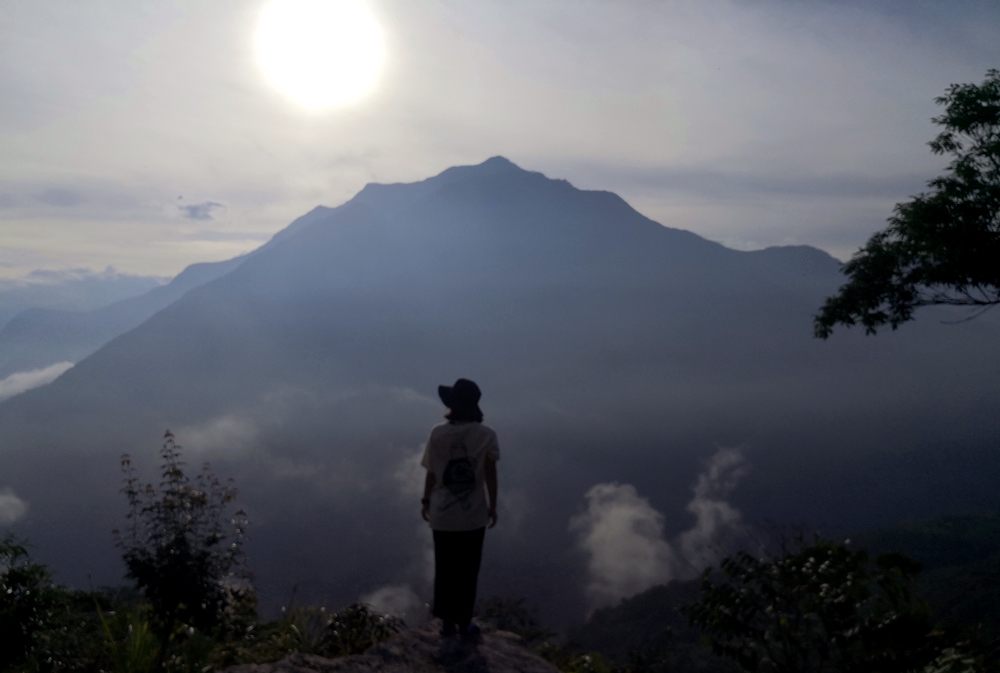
448 629
470 630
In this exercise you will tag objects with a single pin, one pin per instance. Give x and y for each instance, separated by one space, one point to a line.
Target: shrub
820 607
183 552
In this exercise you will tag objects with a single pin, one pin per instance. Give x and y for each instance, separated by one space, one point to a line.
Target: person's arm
491 488
425 509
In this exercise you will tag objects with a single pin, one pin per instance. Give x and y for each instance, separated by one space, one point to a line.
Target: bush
311 630
819 607
26 597
181 549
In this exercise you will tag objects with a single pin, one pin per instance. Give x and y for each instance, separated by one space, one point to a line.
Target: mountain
76 290
609 348
650 624
960 555
38 336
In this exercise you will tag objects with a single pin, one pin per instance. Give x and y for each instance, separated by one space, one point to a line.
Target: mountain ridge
609 349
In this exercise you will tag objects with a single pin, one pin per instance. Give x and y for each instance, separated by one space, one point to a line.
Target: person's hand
493 516
425 511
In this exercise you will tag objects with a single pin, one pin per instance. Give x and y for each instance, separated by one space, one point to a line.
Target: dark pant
456 569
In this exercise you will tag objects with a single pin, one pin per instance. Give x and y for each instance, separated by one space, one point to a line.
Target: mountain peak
499 163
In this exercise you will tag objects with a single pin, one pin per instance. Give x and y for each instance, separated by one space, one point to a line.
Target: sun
319 53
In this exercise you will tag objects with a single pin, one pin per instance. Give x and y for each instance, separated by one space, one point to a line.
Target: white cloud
228 433
18 382
398 600
12 507
409 475
715 519
622 533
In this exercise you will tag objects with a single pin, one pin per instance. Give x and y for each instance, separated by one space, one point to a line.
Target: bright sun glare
319 53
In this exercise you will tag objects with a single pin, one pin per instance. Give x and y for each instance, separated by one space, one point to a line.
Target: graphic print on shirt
459 477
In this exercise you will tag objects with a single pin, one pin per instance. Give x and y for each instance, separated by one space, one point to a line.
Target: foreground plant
182 549
820 607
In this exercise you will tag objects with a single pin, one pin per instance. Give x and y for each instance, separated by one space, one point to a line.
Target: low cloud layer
17 383
12 507
623 536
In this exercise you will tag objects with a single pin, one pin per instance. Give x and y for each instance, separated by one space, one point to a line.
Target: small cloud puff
18 382
12 507
231 433
398 601
201 211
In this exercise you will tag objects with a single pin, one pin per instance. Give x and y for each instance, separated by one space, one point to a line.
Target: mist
17 383
614 354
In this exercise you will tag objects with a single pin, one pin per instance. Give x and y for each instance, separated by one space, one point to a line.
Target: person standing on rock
461 462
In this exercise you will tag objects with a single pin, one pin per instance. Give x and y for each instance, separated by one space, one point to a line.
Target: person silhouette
461 459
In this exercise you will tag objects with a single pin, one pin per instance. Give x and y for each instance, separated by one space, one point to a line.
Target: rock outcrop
421 650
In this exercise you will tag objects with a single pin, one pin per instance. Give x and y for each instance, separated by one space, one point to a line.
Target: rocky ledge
421 650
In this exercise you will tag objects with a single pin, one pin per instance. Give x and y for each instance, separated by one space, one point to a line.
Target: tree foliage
942 246
181 549
25 600
820 607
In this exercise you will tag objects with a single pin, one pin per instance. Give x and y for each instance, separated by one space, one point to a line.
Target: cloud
409 475
716 521
201 211
399 601
230 433
12 507
622 533
18 382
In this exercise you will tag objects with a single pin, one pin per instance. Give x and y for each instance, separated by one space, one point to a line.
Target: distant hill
70 290
609 348
650 623
36 337
960 556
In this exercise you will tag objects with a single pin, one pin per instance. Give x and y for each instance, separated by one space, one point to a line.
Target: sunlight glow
319 53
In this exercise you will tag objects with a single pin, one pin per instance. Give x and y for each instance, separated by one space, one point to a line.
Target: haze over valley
653 391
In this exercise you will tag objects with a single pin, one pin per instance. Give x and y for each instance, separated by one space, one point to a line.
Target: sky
145 136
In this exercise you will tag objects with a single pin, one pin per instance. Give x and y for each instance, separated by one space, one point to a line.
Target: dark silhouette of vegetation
48 628
648 632
192 608
942 246
960 556
310 630
820 607
514 615
26 601
182 550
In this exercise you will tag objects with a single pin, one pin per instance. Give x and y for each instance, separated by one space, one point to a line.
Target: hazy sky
144 135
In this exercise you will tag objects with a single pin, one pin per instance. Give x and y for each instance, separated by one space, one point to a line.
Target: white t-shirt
456 454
